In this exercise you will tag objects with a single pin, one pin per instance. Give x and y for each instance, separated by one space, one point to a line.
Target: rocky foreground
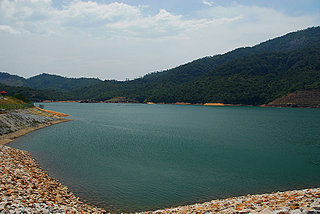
26 188
290 202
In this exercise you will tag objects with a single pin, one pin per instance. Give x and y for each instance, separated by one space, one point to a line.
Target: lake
135 157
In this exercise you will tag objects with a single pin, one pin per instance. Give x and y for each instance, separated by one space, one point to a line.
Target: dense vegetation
34 94
256 79
252 75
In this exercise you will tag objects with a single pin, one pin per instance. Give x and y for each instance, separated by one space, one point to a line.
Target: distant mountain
184 73
252 75
55 82
12 80
48 81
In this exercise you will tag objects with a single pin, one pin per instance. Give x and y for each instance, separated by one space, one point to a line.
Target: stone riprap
289 202
16 123
26 188
19 119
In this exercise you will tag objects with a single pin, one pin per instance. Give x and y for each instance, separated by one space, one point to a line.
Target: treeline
29 94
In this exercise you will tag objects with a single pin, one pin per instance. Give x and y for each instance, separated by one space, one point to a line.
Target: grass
9 103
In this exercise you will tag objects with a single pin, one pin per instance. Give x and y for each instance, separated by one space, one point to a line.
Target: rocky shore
16 123
15 120
290 202
26 188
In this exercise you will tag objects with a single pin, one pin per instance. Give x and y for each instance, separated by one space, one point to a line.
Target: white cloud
163 24
37 16
105 20
209 3
117 40
96 19
8 29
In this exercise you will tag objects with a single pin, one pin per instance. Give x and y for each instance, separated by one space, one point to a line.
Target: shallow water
131 157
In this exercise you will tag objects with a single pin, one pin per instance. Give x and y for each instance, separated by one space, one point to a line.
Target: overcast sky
130 38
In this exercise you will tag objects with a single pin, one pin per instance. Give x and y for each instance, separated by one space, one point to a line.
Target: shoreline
27 188
284 202
199 104
10 137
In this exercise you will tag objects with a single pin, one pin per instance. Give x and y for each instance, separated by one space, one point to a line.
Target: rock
267 210
295 211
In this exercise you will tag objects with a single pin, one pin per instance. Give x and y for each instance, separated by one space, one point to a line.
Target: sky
126 39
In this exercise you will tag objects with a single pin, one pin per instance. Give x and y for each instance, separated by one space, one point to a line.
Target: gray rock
15 120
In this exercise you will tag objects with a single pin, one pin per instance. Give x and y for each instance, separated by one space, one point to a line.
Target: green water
131 157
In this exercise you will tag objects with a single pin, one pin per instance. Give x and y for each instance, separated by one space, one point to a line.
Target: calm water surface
131 157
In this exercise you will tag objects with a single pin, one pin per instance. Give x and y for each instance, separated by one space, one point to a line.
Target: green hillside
254 76
35 94
12 80
253 80
8 102
55 82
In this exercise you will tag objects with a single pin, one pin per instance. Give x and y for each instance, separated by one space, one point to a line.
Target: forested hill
35 94
48 82
252 75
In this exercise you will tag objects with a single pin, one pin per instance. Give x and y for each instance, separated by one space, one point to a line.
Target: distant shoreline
193 104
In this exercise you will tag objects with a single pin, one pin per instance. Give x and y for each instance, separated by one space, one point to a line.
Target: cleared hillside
307 98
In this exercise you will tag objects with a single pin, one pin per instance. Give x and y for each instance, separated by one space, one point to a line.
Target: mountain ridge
250 75
47 81
193 82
